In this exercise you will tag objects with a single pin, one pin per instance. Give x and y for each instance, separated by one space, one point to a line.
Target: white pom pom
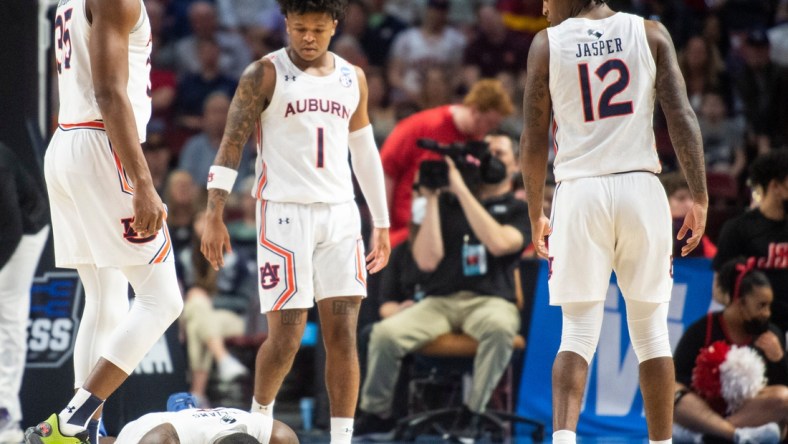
742 376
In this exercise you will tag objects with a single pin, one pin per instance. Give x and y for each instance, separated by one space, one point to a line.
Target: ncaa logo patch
345 79
53 322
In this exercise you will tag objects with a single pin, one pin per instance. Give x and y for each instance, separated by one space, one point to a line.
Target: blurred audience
723 137
680 201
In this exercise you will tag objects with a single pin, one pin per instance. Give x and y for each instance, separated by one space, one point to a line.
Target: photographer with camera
481 111
469 243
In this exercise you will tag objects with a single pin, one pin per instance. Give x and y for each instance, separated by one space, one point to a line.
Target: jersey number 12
604 107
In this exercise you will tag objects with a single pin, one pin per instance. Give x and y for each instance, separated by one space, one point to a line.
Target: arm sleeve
369 173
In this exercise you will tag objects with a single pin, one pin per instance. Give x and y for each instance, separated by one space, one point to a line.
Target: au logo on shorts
269 276
131 235
52 327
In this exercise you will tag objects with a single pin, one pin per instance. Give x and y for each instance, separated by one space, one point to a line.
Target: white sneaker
11 434
765 434
230 369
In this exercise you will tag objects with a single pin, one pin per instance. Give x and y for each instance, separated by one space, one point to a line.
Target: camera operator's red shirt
401 159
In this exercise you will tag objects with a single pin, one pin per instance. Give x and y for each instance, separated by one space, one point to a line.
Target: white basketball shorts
91 203
308 252
619 222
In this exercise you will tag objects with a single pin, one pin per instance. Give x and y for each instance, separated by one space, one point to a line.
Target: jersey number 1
604 107
320 144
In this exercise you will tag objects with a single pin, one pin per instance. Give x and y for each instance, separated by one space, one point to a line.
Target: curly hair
334 8
729 274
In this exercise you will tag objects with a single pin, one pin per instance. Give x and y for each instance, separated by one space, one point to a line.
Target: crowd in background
423 54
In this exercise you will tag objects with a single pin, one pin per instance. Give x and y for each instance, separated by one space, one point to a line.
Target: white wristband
221 178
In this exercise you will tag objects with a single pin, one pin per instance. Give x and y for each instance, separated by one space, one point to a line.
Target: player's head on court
310 25
557 11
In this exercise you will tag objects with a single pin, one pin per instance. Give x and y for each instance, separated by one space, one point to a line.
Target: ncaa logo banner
52 327
612 403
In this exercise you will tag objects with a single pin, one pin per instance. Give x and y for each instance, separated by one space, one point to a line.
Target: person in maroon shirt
482 110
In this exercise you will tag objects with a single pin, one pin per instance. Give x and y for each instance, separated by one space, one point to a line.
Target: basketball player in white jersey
205 426
309 108
107 219
599 72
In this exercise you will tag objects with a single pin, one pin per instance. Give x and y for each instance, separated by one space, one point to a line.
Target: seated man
744 322
469 244
199 426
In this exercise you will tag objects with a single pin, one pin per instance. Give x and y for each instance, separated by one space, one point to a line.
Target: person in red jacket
481 111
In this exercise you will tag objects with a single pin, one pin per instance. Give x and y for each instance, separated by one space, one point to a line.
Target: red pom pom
706 374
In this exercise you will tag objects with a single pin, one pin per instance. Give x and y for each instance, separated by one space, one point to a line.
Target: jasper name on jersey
315 105
598 48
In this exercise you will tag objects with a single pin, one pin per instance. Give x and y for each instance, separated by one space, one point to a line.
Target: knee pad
648 329
582 323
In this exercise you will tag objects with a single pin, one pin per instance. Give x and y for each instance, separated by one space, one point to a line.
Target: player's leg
648 330
338 325
275 357
581 247
582 324
16 277
106 304
643 266
284 257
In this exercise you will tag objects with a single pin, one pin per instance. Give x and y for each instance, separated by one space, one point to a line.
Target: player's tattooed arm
537 107
682 122
251 98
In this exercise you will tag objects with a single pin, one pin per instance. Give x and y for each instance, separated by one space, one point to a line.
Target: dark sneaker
48 432
368 423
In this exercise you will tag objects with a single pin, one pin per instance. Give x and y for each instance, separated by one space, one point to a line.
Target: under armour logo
596 34
288 78
71 409
285 220
210 177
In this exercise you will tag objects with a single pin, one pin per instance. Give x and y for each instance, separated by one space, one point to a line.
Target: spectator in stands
194 89
200 151
163 50
763 88
495 48
745 323
243 14
158 155
482 110
723 137
206 326
436 88
434 43
703 70
382 29
469 244
762 232
778 36
180 196
234 54
382 114
523 16
680 201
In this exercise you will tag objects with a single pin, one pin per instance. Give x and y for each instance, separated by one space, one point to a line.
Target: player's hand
215 241
149 213
381 249
540 229
694 221
770 345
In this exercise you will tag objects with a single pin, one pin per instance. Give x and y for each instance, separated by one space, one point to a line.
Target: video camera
473 159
